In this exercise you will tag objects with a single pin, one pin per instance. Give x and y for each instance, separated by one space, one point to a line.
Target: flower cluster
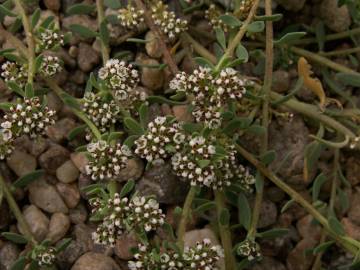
50 65
167 21
103 114
132 100
122 214
45 256
29 117
244 8
160 134
203 256
119 77
12 72
130 17
6 143
50 39
105 160
210 94
249 249
212 14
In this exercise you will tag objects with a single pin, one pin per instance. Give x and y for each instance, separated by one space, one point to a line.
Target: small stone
338 19
83 182
9 253
133 170
281 81
95 261
160 181
53 158
123 245
352 170
21 163
53 5
54 102
152 78
268 263
46 197
268 214
38 146
152 46
70 194
58 227
80 161
37 221
298 259
58 132
182 113
275 194
307 228
78 214
67 172
73 51
292 5
87 57
351 228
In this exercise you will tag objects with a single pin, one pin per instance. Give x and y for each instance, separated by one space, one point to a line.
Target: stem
225 234
149 21
100 18
29 40
350 245
322 60
237 39
185 213
265 111
340 52
16 211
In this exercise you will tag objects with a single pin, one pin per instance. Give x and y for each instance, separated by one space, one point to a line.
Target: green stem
29 40
112 188
225 233
105 51
16 211
185 214
350 245
341 52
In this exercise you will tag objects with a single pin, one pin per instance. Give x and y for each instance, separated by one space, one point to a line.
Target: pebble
281 81
70 194
268 214
297 258
53 5
53 158
352 170
21 163
123 245
59 131
38 146
95 261
160 181
78 214
182 113
133 170
152 46
46 197
9 253
58 227
336 18
37 221
307 228
152 78
67 172
87 57
80 161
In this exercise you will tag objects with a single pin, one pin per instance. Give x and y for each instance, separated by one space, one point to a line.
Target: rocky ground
55 206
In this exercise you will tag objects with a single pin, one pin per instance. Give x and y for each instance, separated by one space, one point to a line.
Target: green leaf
104 32
161 99
35 18
15 88
63 245
5 106
271 18
14 237
230 20
204 207
91 187
75 132
203 163
114 136
349 79
82 31
244 211
289 37
192 127
203 62
70 101
38 62
273 233
29 90
144 115
224 217
129 141
133 126
268 157
80 9
287 205
256 27
343 200
137 40
297 88
259 182
7 12
336 226
127 188
256 129
19 264
220 37
318 182
322 247
242 53
28 178
113 4
47 22
237 123
320 35
16 25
